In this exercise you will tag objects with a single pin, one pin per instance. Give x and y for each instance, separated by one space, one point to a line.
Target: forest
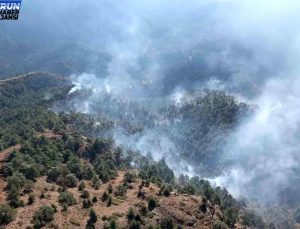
53 145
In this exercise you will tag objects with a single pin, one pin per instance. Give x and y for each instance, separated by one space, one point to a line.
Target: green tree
13 196
166 223
130 214
104 196
151 204
113 224
7 214
231 216
81 186
87 171
31 199
110 188
94 199
143 209
96 182
43 215
129 177
134 225
120 190
70 181
109 202
85 194
53 174
92 220
86 203
218 224
66 198
203 205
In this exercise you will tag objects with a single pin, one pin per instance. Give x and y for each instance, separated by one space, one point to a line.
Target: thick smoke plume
265 148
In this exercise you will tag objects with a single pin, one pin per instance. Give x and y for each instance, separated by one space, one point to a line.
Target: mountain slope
51 173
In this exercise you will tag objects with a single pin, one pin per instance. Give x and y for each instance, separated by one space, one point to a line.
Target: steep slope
51 172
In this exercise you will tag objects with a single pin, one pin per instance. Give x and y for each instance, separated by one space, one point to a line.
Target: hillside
47 161
182 209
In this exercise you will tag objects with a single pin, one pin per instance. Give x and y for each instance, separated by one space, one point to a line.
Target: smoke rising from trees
162 53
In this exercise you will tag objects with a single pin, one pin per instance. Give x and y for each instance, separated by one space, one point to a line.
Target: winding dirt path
30 75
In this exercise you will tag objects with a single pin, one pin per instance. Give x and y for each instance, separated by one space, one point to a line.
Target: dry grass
183 209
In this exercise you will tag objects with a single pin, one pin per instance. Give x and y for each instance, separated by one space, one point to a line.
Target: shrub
110 188
141 194
166 193
94 199
231 216
7 214
31 172
113 224
96 182
104 197
92 220
42 196
129 177
70 181
130 214
190 190
53 174
43 215
85 194
216 199
109 202
14 185
151 204
13 196
16 180
31 199
86 203
74 222
251 219
87 172
203 205
66 198
166 223
120 190
134 225
219 225
28 187
147 183
81 186
138 218
143 209
54 207
64 207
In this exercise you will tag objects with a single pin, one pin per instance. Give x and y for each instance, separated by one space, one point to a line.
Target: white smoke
265 149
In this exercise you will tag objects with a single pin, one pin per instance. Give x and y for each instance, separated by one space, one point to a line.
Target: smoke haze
153 54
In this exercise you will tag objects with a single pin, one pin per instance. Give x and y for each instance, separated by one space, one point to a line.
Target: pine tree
109 202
